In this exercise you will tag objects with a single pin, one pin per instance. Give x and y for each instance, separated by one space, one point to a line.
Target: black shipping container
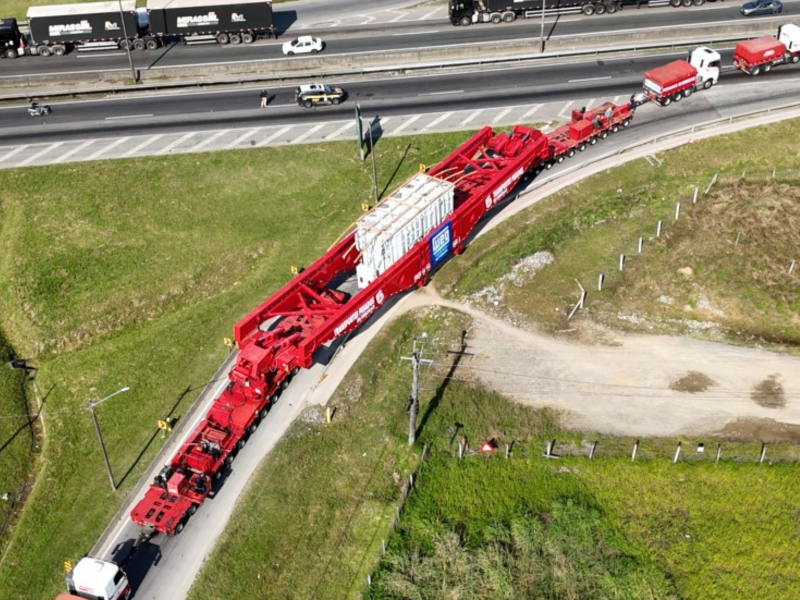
210 19
88 27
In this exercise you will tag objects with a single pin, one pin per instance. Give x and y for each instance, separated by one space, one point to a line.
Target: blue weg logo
441 243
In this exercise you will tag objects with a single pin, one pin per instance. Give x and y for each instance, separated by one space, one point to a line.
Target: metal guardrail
28 93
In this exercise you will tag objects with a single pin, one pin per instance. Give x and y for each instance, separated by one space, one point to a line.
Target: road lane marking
180 140
75 150
531 111
145 143
338 131
406 124
442 93
242 137
209 139
471 117
502 114
589 79
105 149
415 33
127 117
13 152
435 122
42 152
562 113
427 15
278 133
311 131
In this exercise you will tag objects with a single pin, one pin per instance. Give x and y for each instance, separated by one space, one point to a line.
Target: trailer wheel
222 39
253 427
549 165
139 45
152 44
675 3
192 509
218 475
615 129
599 9
666 102
45 51
240 444
767 68
229 459
466 21
686 3
582 147
756 71
273 400
509 17
698 2
611 8
236 39
496 18
688 92
248 38
11 53
588 9
626 123
178 528
593 141
285 383
571 153
125 44
560 158
604 135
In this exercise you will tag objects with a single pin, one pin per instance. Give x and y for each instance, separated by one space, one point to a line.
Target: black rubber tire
708 83
223 39
688 92
571 153
582 147
593 141
192 510
611 8
686 3
45 51
47 110
229 459
698 2
767 68
588 9
675 3
253 427
755 72
599 9
604 135
496 18
152 44
139 45
218 475
549 165
179 528
615 129
560 158
248 38
677 97
509 17
626 123
236 39
11 53
795 58
466 21
240 444
666 102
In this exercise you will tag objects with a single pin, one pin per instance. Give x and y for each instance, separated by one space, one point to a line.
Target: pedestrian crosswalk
160 144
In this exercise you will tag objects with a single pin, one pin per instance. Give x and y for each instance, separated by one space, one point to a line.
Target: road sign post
359 132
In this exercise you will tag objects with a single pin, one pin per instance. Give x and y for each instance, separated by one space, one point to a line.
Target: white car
303 45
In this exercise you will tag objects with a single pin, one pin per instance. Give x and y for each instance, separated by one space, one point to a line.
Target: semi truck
681 78
57 29
92 578
759 55
467 12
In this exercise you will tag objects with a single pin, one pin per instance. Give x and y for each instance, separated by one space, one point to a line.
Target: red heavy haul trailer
393 248
759 55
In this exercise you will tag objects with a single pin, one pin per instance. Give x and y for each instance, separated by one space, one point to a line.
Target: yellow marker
67 566
422 167
293 269
328 414
364 206
163 425
228 342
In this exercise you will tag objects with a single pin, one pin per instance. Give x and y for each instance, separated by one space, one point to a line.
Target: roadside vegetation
131 273
721 271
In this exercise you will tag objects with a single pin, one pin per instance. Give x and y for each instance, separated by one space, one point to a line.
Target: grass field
131 273
722 267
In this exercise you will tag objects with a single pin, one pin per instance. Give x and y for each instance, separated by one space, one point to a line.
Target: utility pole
541 35
413 400
100 435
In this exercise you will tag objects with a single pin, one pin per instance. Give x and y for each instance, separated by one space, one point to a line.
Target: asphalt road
197 111
388 38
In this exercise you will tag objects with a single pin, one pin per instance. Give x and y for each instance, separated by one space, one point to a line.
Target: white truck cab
95 579
707 62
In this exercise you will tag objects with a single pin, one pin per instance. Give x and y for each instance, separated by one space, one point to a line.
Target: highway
386 37
164 568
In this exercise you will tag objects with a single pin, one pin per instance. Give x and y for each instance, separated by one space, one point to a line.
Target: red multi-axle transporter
392 248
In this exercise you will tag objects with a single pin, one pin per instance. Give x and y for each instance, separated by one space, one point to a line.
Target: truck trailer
681 78
466 12
759 55
226 21
55 29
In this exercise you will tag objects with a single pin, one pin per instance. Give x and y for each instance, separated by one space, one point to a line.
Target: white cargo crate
384 235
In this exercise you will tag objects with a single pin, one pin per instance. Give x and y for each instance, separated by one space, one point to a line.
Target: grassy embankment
698 278
131 273
529 527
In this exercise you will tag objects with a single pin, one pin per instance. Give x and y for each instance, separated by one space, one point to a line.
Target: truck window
118 577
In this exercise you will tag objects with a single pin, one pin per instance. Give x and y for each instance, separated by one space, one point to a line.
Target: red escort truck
681 78
759 55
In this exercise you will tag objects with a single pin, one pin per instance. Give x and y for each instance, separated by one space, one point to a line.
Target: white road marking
589 79
338 131
75 150
145 143
428 15
42 152
502 114
242 137
311 131
442 93
13 152
471 117
562 113
105 149
278 133
127 117
616 99
416 33
533 109
436 121
93 54
397 18
406 124
210 139
180 140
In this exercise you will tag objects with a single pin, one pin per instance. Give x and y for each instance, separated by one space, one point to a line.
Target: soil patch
692 383
769 393
764 430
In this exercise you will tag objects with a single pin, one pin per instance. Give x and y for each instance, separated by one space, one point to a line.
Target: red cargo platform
758 51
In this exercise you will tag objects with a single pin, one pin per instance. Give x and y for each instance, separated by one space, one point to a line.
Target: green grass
743 290
131 273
